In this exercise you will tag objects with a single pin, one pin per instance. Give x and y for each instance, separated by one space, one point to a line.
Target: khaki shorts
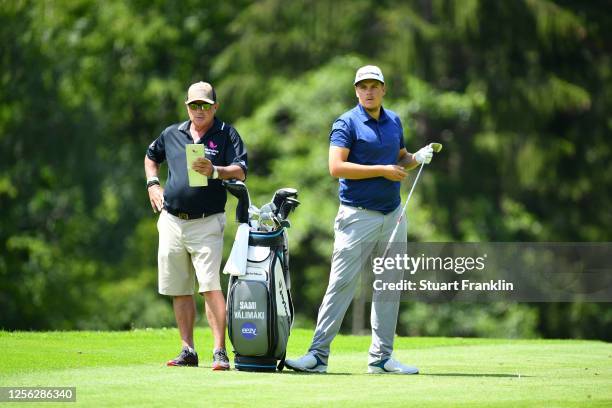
189 249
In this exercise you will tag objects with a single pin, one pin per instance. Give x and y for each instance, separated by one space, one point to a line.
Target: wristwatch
151 181
215 173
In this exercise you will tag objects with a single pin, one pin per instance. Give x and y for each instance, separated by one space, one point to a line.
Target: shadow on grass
315 374
290 372
421 374
477 375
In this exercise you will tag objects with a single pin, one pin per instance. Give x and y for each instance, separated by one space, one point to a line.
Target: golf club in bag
259 304
437 147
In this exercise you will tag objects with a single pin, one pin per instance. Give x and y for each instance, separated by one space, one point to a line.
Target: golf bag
259 304
260 310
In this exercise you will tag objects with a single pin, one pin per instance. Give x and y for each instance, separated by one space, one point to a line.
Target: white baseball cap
369 72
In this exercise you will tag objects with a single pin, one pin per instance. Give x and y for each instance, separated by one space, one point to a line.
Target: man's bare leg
185 312
215 313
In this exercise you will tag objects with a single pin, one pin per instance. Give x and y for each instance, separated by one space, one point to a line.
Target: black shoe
185 359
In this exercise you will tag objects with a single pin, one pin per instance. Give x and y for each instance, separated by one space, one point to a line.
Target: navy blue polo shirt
370 142
222 146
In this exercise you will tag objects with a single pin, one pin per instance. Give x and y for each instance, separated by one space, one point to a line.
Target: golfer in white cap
368 156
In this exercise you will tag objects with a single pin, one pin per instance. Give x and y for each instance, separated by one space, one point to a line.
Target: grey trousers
359 234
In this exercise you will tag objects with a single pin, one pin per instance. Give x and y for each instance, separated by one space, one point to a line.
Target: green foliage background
518 91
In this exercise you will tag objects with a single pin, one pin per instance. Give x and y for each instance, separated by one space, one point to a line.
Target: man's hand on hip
156 197
203 166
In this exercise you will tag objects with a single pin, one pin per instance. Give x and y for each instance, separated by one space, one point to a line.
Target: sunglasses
199 106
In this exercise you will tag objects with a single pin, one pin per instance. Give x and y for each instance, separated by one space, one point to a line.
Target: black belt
189 216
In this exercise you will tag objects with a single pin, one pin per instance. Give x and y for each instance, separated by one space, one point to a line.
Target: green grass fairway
127 369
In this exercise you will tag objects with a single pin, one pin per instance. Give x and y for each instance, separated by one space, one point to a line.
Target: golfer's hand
424 155
203 166
156 197
394 172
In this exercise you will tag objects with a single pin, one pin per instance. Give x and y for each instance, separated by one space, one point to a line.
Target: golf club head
287 206
267 222
236 188
270 207
239 190
254 211
437 147
282 194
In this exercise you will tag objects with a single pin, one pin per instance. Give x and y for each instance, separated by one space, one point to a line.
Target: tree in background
519 93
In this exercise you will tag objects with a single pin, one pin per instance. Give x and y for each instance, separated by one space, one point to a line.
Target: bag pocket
249 319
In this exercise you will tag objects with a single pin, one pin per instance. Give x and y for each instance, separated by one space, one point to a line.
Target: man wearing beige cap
192 219
368 156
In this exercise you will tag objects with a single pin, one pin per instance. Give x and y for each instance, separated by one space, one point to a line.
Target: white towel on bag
237 262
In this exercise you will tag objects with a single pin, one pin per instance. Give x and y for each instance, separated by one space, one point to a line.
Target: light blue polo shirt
370 142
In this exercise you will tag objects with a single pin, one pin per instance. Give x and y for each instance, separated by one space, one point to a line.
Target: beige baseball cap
201 91
369 72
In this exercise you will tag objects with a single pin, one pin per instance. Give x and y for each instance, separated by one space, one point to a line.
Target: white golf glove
424 155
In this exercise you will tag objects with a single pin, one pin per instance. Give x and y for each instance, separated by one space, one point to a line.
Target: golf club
288 205
271 216
437 147
281 195
239 190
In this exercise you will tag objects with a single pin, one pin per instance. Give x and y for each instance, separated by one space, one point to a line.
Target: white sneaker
391 366
308 363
